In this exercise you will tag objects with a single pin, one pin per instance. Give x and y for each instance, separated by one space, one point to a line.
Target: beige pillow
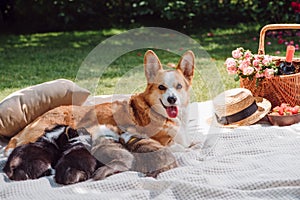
23 106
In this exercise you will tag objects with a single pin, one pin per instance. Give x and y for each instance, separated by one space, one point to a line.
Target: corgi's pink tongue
172 111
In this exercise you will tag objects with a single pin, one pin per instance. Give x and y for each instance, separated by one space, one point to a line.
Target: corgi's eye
179 86
162 87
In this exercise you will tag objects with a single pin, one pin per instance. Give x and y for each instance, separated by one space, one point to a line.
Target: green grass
31 59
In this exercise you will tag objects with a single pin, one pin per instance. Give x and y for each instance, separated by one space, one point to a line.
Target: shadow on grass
36 58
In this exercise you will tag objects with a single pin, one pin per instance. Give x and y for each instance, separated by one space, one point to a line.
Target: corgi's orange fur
160 112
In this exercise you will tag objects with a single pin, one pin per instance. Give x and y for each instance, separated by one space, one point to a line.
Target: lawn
35 58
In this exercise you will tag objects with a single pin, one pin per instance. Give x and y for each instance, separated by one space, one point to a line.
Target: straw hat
238 107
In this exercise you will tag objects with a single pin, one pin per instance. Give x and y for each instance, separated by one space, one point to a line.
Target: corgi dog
159 113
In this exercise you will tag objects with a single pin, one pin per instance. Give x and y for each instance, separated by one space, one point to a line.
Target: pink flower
266 60
269 43
231 70
230 62
210 34
248 71
244 64
280 41
259 75
230 66
257 57
248 54
237 53
295 6
256 62
277 52
258 68
269 73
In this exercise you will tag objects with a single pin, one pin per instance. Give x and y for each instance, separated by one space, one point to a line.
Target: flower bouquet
260 74
244 64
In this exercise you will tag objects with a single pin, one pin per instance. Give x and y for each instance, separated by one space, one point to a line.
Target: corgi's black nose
172 99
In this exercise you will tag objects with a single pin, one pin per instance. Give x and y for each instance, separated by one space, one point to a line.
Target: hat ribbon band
238 116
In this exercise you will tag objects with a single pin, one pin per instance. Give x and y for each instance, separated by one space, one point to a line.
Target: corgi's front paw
12 144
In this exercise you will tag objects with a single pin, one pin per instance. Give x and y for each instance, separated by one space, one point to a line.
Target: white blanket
254 162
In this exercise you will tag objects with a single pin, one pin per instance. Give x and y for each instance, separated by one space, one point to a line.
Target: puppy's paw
16 174
111 168
166 167
70 176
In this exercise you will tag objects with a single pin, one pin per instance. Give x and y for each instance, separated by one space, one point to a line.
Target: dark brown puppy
34 160
76 163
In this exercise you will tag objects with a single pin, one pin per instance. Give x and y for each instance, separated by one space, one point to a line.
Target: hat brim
264 107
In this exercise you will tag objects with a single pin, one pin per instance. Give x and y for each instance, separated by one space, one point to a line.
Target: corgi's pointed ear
152 65
186 65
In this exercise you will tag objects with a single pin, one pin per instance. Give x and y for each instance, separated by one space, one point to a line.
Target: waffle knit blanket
254 162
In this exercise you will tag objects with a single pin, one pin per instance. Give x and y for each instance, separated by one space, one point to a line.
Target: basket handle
261 48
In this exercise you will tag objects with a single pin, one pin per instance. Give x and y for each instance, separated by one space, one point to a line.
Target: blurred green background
42 40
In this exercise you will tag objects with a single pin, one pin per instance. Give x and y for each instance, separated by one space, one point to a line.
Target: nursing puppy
129 152
107 149
76 164
159 113
34 160
149 157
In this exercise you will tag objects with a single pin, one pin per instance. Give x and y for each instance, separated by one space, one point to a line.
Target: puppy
129 152
150 157
76 163
160 112
107 149
34 160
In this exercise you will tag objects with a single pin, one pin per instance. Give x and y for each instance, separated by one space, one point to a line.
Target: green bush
47 15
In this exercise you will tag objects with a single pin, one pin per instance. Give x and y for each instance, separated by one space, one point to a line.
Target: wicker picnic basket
278 89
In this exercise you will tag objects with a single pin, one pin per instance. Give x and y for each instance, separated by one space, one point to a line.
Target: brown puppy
150 157
34 160
107 149
160 112
129 152
76 164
